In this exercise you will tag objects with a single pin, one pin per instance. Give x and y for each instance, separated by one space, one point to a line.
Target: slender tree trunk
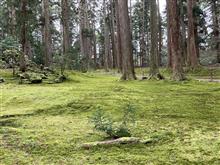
126 42
154 69
216 27
130 15
147 17
191 45
183 34
65 23
94 46
169 36
107 38
118 38
160 35
12 16
113 39
85 42
173 14
143 46
46 34
23 35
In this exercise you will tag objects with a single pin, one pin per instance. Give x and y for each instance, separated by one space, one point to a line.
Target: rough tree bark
65 23
94 45
85 44
118 38
160 35
143 46
113 37
183 40
192 52
107 38
169 38
216 27
12 16
126 41
154 68
23 35
46 33
174 20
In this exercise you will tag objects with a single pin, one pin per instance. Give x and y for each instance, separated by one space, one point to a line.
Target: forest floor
46 123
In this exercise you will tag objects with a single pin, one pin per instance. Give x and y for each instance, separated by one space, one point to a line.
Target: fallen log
119 141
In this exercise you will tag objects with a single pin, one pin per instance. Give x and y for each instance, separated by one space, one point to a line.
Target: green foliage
102 122
129 114
60 61
10 51
114 129
9 43
11 55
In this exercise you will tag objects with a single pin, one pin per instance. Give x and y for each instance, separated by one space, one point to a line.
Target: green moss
45 123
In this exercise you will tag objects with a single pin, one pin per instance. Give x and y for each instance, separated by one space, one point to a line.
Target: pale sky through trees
162 4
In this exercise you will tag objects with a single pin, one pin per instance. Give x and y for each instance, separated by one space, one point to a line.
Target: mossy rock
36 78
60 79
48 70
25 75
31 78
1 80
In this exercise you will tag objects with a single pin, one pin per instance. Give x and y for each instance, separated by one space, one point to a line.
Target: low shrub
105 123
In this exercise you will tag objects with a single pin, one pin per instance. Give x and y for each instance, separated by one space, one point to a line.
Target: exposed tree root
156 76
120 141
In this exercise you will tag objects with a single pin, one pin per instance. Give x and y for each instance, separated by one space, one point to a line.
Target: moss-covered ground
46 123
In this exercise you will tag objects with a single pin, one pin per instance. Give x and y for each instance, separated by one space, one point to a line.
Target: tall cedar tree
216 27
65 23
174 32
46 33
154 68
192 49
23 38
118 38
107 39
126 41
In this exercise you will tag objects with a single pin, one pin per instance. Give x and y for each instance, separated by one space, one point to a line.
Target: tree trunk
143 46
154 69
170 59
94 46
216 28
107 39
23 35
85 43
46 34
160 35
183 40
113 38
126 42
191 45
12 16
65 23
118 38
174 20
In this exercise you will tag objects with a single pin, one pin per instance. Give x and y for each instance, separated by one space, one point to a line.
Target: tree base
156 76
128 77
178 77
